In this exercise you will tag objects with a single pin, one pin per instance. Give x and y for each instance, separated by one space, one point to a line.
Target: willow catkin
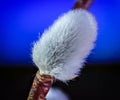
64 46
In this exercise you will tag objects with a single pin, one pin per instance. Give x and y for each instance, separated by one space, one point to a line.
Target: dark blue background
23 21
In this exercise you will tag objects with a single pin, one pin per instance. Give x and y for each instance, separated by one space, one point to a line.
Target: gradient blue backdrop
23 21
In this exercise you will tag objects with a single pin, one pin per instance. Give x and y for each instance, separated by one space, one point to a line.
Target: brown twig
40 87
84 4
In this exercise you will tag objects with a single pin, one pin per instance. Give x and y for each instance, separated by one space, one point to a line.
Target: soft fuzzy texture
56 94
63 47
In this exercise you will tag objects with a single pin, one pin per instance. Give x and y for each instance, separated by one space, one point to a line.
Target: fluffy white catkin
56 93
63 47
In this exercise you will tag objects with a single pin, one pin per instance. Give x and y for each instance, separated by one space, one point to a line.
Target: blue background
23 21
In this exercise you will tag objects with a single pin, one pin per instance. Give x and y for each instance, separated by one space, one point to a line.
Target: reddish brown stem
84 4
40 87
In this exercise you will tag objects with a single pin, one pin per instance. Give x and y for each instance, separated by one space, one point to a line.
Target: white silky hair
56 94
64 46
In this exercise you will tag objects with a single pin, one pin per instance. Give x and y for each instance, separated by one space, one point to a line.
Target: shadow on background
96 82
